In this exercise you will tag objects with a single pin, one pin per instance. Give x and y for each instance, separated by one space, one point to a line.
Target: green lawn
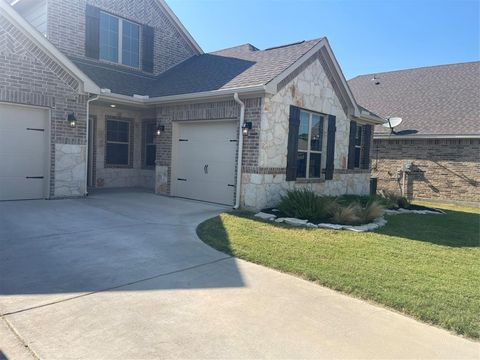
427 266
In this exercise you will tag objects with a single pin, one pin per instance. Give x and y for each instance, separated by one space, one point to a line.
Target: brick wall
445 169
66 28
29 76
227 109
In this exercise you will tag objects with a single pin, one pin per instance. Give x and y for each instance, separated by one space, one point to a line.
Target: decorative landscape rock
377 223
265 216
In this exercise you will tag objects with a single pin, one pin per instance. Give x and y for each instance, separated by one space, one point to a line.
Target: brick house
117 93
439 135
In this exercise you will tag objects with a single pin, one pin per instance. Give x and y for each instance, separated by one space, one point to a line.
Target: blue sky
366 36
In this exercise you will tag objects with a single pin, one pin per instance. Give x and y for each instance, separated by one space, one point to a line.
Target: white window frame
120 41
309 151
118 142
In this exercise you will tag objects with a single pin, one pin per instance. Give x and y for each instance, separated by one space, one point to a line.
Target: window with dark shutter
149 147
367 139
147 46
330 147
293 126
351 145
92 32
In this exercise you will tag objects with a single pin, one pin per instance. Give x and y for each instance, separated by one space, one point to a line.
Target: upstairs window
119 40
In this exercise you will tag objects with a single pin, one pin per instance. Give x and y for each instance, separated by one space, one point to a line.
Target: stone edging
377 223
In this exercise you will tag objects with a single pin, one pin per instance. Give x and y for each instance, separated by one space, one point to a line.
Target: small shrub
373 210
356 214
305 204
394 199
347 215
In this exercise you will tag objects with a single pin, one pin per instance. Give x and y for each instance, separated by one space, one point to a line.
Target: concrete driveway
123 275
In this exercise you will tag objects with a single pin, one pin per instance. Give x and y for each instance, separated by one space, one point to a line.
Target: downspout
240 151
86 142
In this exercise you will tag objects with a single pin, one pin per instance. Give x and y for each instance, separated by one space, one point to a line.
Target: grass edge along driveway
426 266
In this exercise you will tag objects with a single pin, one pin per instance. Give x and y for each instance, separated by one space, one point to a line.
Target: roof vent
375 80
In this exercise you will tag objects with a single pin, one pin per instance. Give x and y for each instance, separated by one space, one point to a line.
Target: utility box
373 185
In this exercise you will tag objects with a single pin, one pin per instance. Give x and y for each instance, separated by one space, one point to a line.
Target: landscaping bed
346 212
425 266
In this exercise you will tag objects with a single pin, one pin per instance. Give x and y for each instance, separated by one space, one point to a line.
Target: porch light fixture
246 127
72 120
159 129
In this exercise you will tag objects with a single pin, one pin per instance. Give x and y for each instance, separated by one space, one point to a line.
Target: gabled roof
241 66
436 101
12 16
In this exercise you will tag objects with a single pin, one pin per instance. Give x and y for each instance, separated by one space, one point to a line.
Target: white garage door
23 152
204 161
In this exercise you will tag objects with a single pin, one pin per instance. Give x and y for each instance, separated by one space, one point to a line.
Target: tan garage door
204 161
23 152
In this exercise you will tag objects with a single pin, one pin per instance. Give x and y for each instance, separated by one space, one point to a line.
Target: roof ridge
415 68
234 47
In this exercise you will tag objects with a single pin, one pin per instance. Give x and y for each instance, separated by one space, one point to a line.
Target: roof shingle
236 67
437 100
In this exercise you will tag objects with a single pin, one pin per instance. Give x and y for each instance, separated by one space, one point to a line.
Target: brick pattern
66 28
31 77
227 109
446 169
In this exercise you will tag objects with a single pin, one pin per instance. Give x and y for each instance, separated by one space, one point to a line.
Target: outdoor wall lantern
159 129
246 127
72 120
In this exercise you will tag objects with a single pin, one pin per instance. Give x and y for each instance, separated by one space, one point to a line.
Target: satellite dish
392 123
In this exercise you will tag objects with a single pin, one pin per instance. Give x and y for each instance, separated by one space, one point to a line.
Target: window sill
309 181
113 166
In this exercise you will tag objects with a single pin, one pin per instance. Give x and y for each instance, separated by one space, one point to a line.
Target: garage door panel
9 140
23 152
205 161
20 166
18 188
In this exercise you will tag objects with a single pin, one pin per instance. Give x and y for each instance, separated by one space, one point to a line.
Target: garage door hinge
231 185
233 140
180 179
33 129
182 139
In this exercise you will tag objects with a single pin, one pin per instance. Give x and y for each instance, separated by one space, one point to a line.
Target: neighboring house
439 135
165 116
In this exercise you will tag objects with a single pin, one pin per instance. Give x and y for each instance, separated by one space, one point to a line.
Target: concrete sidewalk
123 275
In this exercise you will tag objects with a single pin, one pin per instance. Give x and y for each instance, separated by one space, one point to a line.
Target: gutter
199 96
86 142
240 151
412 137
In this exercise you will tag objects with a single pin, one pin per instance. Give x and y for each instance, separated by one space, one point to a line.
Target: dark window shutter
330 147
147 46
293 124
351 145
92 32
367 139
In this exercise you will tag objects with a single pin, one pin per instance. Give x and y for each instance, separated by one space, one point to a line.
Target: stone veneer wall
66 28
443 169
311 89
227 109
134 175
29 76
